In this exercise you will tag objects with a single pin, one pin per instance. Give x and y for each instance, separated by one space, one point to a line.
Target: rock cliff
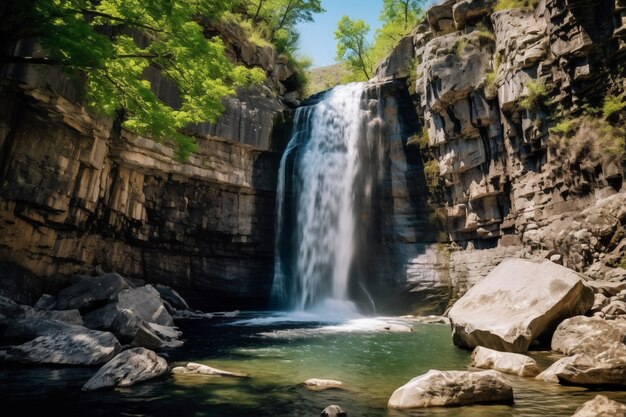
519 158
77 192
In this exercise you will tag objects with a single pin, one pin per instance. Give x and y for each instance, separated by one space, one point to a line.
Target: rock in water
510 363
128 368
333 411
605 367
198 369
515 303
322 384
146 303
583 334
452 388
601 406
172 297
91 292
54 342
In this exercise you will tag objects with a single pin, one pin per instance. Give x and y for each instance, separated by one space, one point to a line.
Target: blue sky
317 39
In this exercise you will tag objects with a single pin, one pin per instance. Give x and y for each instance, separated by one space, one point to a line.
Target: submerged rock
601 406
198 369
510 363
333 411
54 342
128 368
452 388
517 302
322 384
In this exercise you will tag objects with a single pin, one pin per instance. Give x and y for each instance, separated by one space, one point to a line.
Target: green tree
115 43
407 11
352 46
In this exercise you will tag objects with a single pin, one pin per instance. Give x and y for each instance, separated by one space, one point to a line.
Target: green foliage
537 95
459 46
352 47
117 43
490 79
398 18
565 127
514 4
613 105
421 139
622 262
484 32
431 171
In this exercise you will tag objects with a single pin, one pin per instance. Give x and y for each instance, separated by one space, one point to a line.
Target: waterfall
315 203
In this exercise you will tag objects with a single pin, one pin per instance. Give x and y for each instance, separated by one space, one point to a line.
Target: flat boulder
509 363
517 302
601 406
91 292
322 384
55 342
452 388
198 369
583 334
128 368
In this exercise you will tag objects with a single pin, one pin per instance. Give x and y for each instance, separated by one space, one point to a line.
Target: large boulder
452 388
517 302
146 303
605 367
9 310
509 363
91 292
583 334
128 368
55 342
333 411
171 297
601 406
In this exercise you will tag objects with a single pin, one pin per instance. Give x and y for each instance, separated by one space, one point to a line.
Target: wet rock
517 302
322 384
333 411
606 367
54 342
9 310
146 303
452 388
199 369
126 369
583 334
91 292
509 363
601 406
172 297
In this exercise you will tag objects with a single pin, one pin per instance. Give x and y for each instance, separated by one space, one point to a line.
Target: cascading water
316 200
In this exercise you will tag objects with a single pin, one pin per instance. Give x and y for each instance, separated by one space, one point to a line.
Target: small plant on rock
537 95
431 171
613 105
514 4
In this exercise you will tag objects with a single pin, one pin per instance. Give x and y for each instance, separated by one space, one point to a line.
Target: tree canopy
115 43
399 17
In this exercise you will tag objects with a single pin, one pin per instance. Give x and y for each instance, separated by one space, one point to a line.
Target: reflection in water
279 357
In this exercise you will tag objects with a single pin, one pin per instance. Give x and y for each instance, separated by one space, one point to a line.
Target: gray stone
516 303
468 11
172 297
46 302
146 303
90 292
452 388
509 363
333 411
128 368
54 342
582 334
601 406
9 310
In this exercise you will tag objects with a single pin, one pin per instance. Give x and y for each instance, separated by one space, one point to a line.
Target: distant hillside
323 78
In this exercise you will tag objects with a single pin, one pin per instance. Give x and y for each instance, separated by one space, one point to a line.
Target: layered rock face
488 87
79 192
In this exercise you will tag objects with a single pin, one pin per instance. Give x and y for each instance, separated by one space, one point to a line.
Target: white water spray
326 136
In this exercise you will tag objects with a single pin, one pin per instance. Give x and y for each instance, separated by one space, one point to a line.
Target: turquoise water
279 357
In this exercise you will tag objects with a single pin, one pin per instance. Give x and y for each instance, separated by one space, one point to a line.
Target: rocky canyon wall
519 158
77 192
